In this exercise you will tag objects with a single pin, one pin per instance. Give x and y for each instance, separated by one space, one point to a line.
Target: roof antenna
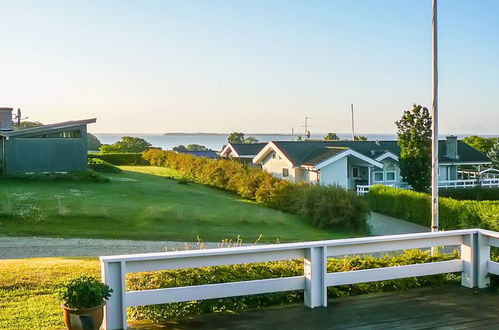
353 125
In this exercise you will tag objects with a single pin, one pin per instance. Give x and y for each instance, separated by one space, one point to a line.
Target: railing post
113 274
315 277
475 254
483 257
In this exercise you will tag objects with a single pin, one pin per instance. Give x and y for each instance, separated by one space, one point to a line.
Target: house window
285 172
355 172
378 176
390 176
273 155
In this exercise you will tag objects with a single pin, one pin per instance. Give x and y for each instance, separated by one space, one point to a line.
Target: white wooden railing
468 183
474 264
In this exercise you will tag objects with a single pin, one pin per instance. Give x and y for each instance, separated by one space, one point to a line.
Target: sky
256 66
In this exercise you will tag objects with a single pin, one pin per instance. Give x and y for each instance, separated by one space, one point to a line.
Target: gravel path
32 247
385 225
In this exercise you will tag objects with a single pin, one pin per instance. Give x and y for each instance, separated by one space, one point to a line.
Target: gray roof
47 128
248 149
314 152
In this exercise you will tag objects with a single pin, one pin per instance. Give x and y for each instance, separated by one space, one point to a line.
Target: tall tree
414 139
332 137
480 143
494 155
126 144
236 137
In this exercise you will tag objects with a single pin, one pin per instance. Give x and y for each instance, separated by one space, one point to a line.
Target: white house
353 164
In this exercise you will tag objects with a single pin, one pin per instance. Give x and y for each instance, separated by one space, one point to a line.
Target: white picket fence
474 264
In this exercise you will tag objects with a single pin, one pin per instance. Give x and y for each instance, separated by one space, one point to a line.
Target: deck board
450 307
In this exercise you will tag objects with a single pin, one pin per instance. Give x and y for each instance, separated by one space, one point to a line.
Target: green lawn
144 206
28 286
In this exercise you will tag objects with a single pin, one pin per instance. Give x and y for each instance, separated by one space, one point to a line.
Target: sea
216 141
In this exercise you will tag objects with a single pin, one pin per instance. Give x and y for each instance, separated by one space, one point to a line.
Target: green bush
100 165
84 292
256 271
474 194
123 158
415 207
88 175
321 205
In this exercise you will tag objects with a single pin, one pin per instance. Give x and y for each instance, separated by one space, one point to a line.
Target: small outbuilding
60 147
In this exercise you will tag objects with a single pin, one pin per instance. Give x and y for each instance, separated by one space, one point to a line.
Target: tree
494 154
126 144
27 124
332 137
180 148
237 137
480 143
414 139
251 139
93 142
359 138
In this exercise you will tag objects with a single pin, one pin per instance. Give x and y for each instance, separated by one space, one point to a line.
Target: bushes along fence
415 207
123 158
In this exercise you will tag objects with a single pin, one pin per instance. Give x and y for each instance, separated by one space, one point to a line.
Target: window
61 135
378 176
285 172
273 155
355 172
390 176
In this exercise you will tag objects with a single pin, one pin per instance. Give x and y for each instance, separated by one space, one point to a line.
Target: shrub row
100 165
256 271
88 175
124 158
415 207
323 206
476 194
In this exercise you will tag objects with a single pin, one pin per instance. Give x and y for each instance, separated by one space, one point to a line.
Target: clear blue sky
251 66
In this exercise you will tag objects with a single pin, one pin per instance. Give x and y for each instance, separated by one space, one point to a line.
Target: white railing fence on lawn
475 265
468 183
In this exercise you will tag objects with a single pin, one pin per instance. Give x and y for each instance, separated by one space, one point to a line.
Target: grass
142 204
27 286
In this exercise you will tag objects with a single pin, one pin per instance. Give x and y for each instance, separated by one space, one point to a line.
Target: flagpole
434 115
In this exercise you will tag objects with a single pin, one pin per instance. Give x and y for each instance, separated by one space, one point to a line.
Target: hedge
121 158
415 207
323 206
100 165
277 269
477 193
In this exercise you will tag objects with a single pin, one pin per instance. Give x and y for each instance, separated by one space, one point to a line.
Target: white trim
271 146
465 163
347 152
387 155
229 146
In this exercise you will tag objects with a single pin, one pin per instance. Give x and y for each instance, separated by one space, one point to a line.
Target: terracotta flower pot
83 319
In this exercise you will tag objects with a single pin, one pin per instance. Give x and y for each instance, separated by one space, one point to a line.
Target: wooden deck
451 307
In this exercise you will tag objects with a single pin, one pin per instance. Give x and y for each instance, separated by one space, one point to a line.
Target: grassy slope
27 286
142 206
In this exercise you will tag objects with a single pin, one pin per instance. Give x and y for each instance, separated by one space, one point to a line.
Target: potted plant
83 299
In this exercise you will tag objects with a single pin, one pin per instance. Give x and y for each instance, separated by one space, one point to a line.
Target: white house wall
275 166
386 162
335 173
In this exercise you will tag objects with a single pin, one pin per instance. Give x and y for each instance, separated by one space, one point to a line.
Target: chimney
6 119
451 147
